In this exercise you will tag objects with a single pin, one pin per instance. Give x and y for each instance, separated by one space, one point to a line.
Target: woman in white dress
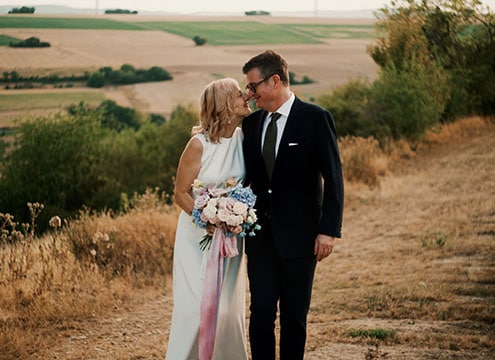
212 155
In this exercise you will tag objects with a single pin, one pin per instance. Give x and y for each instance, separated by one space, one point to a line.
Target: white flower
240 208
210 211
252 217
213 202
234 220
223 215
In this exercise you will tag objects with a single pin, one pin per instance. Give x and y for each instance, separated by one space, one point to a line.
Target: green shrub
120 11
353 113
410 100
112 116
77 160
127 75
32 42
54 161
256 12
198 40
22 10
454 36
293 81
96 80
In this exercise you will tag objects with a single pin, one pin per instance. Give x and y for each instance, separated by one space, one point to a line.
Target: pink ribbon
221 247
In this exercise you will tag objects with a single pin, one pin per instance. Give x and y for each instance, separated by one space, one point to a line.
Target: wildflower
55 222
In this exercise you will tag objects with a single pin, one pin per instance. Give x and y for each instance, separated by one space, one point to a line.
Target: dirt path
426 187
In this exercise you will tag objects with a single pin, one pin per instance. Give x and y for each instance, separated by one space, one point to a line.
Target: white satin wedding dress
218 163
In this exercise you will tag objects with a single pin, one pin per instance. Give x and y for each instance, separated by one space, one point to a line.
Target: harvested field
74 51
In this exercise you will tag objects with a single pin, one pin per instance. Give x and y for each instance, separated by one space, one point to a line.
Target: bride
212 155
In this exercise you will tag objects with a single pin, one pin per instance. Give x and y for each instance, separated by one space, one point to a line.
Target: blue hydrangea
244 195
196 215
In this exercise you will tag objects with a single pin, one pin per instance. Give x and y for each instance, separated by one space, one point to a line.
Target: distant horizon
58 9
214 6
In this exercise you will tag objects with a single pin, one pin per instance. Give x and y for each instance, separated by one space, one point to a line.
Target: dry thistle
55 222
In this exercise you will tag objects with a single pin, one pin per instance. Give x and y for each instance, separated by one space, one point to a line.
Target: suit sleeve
331 170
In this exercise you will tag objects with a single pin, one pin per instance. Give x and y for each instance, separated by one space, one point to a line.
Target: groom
293 166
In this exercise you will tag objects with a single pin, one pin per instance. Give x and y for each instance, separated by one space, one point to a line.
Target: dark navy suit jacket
305 196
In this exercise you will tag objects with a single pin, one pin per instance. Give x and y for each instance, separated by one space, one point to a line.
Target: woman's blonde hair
216 108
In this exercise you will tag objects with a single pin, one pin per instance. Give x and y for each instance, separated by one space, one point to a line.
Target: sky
192 6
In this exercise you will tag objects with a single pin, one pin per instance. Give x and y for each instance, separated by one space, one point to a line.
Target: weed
379 334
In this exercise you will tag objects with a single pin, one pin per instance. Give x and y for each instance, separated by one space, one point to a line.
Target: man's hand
323 246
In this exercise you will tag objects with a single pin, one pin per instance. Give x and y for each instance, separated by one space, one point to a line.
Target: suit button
270 191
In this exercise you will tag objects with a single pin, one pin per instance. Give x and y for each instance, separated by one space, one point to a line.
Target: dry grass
458 130
79 272
363 160
412 278
418 253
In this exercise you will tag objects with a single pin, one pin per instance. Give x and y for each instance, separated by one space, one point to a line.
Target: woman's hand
210 229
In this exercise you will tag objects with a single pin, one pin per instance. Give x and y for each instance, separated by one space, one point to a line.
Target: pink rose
201 201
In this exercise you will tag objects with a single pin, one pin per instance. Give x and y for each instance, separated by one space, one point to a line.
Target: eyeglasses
253 86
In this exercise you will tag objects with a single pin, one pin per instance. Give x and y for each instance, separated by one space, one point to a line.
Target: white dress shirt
283 110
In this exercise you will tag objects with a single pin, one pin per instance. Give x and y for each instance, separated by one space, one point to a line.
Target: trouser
275 280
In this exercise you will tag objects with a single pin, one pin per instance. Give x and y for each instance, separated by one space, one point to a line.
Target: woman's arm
187 172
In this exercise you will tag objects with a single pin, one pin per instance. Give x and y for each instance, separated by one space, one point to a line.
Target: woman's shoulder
238 132
199 137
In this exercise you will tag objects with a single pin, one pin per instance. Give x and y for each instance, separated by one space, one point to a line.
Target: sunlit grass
234 32
5 40
331 31
35 22
13 101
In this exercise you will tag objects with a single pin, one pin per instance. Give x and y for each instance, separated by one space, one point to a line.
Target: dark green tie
270 143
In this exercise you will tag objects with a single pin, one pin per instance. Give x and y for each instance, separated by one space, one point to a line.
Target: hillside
417 261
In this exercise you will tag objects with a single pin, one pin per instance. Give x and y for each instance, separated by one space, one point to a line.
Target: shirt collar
284 109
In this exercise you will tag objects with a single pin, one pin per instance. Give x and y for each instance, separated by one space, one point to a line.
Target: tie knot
275 116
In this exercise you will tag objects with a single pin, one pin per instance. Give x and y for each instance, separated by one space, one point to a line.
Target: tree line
22 10
127 74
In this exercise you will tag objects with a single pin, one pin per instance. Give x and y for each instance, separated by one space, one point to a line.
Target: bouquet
229 207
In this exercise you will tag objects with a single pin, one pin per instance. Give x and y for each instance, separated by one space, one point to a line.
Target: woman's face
240 106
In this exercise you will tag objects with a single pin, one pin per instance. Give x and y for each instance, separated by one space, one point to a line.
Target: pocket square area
293 144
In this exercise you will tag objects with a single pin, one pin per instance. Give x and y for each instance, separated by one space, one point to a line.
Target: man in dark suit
293 166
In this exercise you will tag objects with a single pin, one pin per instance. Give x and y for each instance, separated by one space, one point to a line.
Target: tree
96 80
456 36
22 10
198 40
54 161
